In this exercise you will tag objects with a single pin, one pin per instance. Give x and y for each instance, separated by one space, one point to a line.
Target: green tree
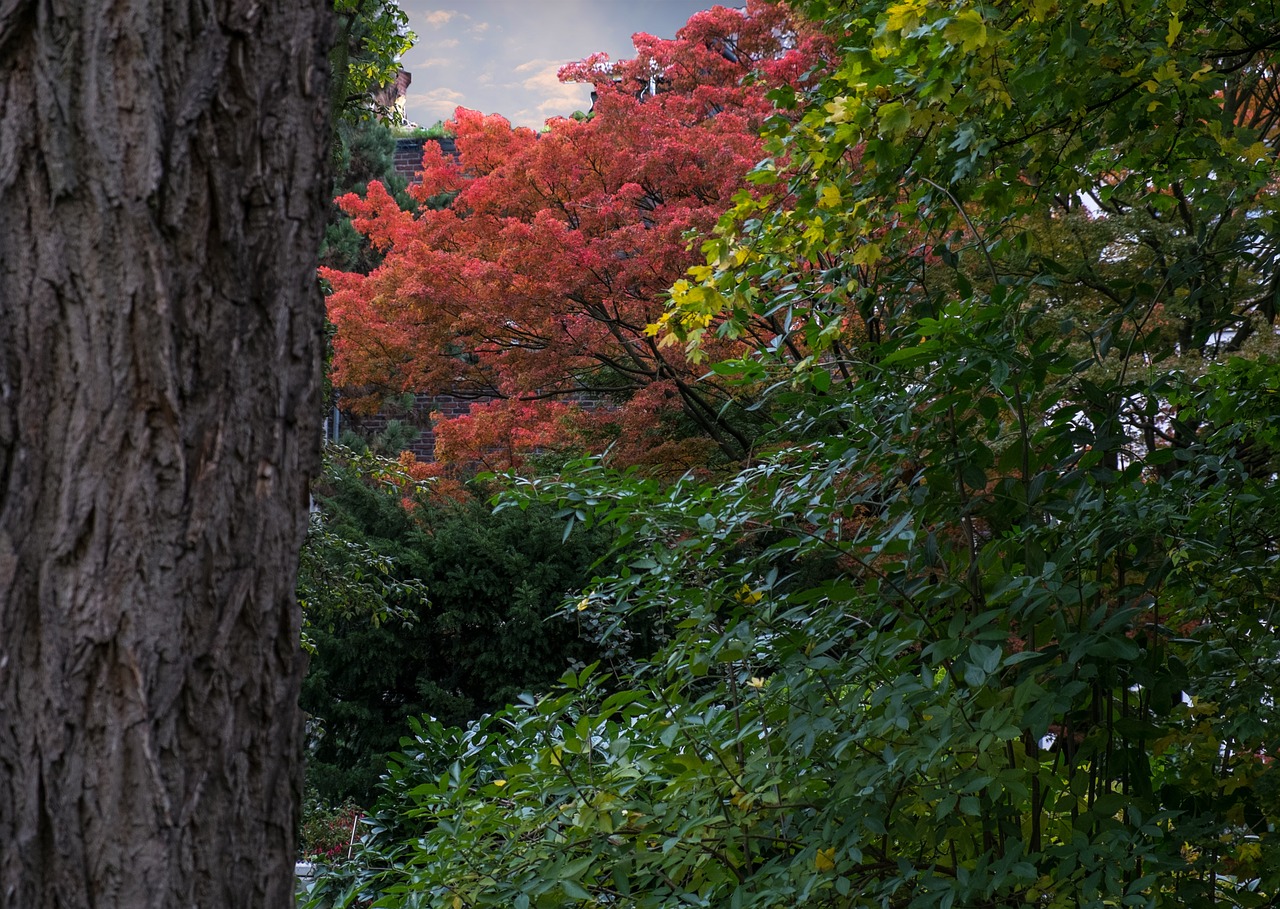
372 35
443 609
967 136
364 151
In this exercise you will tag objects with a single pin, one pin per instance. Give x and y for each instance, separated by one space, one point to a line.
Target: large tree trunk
162 173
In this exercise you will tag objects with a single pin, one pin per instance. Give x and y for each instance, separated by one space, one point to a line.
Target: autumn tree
164 172
536 284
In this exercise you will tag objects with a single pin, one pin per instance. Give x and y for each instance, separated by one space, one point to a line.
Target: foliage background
444 609
989 618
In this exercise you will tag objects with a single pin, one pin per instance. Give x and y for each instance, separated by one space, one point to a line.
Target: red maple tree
536 280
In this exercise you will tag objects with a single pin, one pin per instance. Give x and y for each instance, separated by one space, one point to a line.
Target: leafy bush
328 834
999 669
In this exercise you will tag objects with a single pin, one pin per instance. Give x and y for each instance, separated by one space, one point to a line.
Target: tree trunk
163 166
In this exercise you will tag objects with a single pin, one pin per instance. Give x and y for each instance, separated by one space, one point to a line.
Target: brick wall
423 445
408 159
418 416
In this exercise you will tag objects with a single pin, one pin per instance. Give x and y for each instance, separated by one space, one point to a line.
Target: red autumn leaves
536 262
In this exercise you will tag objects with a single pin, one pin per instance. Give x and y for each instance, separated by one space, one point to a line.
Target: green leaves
889 682
894 119
372 37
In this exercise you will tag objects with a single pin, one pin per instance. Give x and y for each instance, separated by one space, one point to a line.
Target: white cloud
540 76
531 66
438 18
495 36
557 99
437 104
432 62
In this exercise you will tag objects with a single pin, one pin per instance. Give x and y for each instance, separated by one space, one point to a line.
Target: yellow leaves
841 109
1257 153
867 254
1175 29
968 30
903 17
1202 73
830 197
815 232
1249 851
499 783
756 682
1042 10
694 306
825 860
996 92
1168 72
1201 707
746 595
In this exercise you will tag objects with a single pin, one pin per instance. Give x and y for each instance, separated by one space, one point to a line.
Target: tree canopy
372 34
535 283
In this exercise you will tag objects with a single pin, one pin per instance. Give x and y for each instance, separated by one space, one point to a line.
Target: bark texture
163 166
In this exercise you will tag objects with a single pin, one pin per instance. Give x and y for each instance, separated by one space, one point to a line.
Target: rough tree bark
163 166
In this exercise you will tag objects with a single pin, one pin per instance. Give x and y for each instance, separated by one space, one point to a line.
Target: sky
501 56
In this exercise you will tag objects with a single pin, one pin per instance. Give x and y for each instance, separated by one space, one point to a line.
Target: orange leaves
501 435
377 216
440 174
552 253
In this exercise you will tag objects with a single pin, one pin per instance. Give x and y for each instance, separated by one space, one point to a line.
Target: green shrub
486 631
